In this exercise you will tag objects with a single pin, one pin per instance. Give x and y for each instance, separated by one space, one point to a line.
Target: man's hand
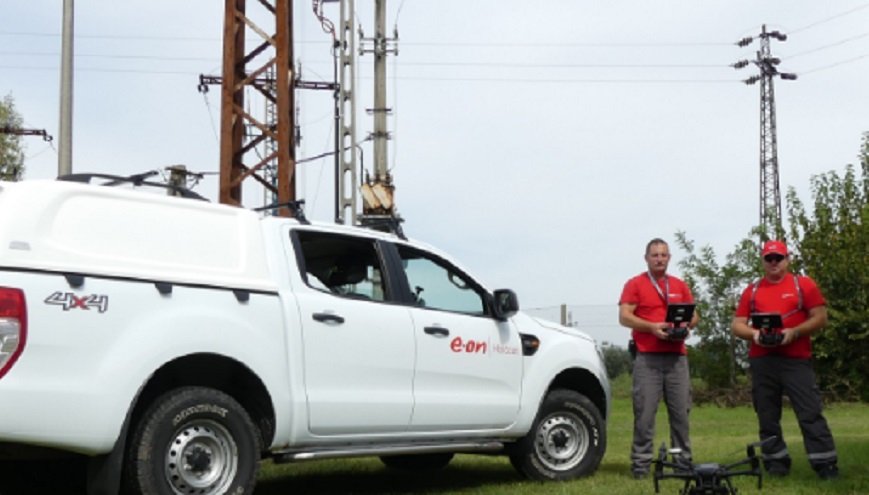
790 335
756 337
658 330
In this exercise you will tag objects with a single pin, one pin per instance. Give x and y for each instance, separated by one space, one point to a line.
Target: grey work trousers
774 376
657 376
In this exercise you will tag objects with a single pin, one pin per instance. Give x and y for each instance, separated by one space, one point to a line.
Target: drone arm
748 472
728 467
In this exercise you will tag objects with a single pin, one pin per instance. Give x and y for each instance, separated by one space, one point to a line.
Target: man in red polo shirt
782 365
661 363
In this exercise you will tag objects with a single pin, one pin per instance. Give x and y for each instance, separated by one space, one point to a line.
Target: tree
11 149
719 358
617 360
832 242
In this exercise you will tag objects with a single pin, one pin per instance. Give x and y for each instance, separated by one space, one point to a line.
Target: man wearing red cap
661 363
781 365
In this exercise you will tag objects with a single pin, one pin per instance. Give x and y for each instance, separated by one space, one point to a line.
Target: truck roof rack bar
136 180
296 207
384 224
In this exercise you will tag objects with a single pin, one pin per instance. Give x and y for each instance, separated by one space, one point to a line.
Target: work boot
828 471
777 470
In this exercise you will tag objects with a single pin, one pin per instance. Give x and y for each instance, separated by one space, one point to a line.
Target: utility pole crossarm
16 131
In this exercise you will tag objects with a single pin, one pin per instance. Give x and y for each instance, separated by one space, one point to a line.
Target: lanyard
664 296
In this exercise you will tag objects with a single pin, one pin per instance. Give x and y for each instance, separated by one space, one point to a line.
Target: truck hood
551 325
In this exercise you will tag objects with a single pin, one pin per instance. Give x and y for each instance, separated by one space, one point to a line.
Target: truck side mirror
505 303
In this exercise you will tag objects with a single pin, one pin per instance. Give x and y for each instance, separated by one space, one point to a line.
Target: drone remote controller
770 338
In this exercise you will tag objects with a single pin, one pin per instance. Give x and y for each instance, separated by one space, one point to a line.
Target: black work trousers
775 376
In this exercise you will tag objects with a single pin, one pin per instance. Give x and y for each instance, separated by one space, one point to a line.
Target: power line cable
830 66
574 81
407 64
549 45
828 19
831 45
119 57
447 79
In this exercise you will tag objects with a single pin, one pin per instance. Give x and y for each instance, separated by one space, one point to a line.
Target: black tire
567 440
193 440
417 462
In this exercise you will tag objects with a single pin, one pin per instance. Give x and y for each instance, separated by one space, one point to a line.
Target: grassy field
718 435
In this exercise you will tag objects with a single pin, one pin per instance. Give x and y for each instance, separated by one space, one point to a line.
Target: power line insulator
745 41
740 64
788 76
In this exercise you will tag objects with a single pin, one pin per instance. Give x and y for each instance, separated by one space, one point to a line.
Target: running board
343 451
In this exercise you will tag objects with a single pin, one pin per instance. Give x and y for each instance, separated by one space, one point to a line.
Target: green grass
718 435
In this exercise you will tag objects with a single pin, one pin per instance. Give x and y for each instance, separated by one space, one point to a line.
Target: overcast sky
541 143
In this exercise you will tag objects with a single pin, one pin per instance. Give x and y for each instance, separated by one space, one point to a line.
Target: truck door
358 345
469 365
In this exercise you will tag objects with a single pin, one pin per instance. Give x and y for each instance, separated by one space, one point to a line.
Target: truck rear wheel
193 440
567 440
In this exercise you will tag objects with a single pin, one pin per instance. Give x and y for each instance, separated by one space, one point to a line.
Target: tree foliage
11 148
719 358
829 241
832 242
617 360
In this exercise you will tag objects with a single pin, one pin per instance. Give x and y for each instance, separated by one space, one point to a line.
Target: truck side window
439 286
342 265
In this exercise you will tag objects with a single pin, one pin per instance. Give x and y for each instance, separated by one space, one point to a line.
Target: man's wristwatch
796 334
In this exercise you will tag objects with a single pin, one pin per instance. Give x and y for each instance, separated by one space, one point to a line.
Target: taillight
13 327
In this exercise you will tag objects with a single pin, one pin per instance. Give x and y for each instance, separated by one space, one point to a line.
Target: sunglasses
773 257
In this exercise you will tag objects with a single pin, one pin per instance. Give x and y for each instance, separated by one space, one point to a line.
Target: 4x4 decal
69 301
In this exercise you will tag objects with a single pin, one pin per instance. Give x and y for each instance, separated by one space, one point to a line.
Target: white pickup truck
174 343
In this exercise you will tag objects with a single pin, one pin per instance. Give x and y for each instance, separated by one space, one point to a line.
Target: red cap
774 247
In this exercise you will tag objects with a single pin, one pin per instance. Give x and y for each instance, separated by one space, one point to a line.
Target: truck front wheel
193 440
567 440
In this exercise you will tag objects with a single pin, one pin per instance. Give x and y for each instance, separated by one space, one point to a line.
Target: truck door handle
324 317
443 332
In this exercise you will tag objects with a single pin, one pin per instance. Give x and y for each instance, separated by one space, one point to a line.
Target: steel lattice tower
770 193
243 69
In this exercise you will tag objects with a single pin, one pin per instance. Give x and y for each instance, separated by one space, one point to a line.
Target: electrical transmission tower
267 69
770 193
241 132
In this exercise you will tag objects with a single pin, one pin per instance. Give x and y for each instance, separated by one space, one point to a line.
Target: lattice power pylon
770 192
244 69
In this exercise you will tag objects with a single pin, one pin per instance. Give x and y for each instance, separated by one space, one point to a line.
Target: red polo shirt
652 307
783 298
